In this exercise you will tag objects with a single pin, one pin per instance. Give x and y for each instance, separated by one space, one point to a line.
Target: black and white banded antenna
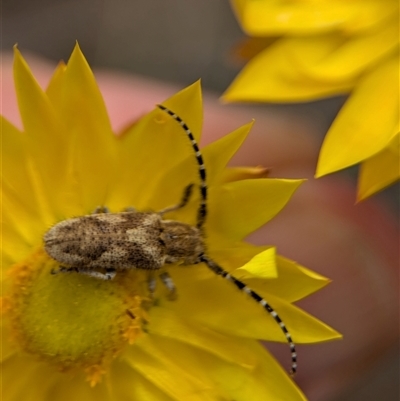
213 266
202 211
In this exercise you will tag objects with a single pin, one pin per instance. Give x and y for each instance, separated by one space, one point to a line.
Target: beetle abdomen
109 240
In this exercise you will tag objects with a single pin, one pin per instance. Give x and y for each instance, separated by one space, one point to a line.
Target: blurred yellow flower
305 50
60 331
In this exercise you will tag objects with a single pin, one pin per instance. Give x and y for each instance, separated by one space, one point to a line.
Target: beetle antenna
202 211
259 299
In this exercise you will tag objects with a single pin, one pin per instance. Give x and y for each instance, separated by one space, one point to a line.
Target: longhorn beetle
100 244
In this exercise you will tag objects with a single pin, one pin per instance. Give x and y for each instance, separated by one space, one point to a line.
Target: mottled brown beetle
100 244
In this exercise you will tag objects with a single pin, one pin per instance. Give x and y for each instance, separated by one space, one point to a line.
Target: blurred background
178 42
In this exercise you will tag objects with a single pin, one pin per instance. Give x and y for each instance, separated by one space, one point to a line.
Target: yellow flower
302 51
62 331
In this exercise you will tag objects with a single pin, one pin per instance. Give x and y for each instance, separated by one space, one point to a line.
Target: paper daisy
302 51
72 336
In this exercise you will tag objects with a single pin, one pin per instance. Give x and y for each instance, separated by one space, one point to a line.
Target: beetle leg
185 199
169 283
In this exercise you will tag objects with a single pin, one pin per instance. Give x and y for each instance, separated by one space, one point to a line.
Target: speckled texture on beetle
120 241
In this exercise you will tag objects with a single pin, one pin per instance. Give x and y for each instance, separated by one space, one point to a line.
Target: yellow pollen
71 320
94 374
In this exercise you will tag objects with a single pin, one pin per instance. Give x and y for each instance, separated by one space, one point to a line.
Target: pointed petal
370 47
293 282
84 101
235 255
21 195
268 381
263 266
188 105
152 146
280 74
361 128
215 155
199 295
37 114
55 87
381 170
243 173
218 153
91 140
45 136
239 208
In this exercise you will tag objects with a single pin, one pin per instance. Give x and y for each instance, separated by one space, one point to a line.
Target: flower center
72 320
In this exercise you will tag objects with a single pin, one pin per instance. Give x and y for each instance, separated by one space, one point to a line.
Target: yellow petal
69 200
267 381
218 153
280 74
247 48
127 384
239 208
177 377
45 137
263 265
153 146
293 282
55 88
228 348
67 385
7 348
91 141
243 173
171 184
364 125
84 107
143 151
17 241
29 373
48 143
21 196
248 319
235 255
187 104
380 170
261 18
282 17
341 65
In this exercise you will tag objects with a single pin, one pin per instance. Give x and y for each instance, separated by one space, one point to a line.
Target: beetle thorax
183 243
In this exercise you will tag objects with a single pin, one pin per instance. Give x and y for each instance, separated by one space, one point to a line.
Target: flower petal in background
364 126
311 50
380 170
